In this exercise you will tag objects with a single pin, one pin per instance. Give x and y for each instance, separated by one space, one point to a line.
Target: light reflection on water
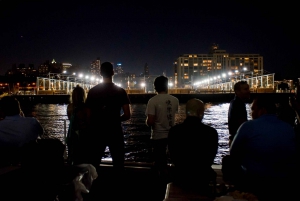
137 135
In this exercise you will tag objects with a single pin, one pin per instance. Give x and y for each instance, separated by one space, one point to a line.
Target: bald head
195 108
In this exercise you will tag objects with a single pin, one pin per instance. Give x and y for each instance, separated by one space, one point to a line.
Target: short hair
237 86
269 104
10 106
78 96
161 83
107 69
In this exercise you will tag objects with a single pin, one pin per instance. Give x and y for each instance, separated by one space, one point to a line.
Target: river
137 135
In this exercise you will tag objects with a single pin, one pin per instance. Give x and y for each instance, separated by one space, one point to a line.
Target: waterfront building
189 68
95 67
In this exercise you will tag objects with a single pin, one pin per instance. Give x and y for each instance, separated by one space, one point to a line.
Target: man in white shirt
160 114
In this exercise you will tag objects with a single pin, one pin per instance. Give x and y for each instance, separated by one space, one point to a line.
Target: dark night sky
147 32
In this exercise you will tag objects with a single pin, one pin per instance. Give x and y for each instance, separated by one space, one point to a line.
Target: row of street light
222 77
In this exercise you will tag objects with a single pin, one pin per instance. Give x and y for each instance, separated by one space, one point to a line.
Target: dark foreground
138 183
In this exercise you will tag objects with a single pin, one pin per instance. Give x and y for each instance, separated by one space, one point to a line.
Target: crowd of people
263 151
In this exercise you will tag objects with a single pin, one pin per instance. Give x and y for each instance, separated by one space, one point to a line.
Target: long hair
78 96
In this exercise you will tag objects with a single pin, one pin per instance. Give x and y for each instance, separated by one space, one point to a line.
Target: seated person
265 149
192 147
15 129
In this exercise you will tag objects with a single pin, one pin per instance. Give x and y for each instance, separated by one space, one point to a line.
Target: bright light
223 75
92 78
229 73
86 77
170 84
64 71
80 75
74 73
236 71
143 84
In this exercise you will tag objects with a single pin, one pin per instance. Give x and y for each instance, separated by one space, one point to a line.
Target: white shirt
164 107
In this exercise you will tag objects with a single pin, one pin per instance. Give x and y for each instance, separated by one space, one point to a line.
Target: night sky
155 33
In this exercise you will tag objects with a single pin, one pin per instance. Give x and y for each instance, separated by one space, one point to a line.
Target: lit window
186 64
190 55
195 64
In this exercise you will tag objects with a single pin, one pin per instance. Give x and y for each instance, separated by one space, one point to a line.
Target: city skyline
135 34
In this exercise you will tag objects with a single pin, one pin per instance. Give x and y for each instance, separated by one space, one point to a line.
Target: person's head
195 108
242 90
10 106
78 95
106 70
161 84
261 106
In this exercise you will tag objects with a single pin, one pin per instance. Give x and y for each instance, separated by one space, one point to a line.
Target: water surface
137 135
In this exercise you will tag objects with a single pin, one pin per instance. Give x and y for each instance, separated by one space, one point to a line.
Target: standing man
237 113
160 114
109 106
193 147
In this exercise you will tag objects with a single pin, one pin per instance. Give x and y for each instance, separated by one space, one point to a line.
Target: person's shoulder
174 97
176 127
209 128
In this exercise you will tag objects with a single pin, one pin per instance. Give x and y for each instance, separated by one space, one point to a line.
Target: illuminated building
191 67
95 67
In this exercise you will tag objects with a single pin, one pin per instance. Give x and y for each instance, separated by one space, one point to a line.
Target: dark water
137 135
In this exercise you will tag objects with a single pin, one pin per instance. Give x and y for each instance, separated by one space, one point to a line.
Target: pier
143 98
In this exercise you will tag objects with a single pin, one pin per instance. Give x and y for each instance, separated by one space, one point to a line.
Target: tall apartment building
119 69
95 67
146 70
190 68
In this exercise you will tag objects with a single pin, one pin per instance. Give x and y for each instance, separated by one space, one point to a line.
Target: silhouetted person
15 129
192 147
78 131
237 113
109 105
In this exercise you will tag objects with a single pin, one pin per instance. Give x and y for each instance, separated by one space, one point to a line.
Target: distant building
146 70
95 67
119 69
189 68
66 67
22 71
50 67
